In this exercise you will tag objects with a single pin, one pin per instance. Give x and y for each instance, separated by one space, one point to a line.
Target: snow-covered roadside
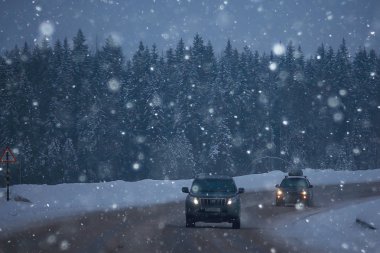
370 216
267 181
54 201
336 230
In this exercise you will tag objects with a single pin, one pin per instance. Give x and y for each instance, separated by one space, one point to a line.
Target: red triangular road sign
8 156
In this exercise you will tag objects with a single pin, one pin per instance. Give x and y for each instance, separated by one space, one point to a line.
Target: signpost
7 157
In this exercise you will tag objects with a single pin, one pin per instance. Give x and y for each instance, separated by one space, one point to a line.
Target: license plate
212 210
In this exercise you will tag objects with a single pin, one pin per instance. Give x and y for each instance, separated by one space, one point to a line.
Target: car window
294 183
213 185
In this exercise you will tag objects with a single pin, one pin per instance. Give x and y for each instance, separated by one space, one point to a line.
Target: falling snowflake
273 66
46 29
345 246
129 105
299 206
136 166
343 92
165 36
65 245
333 102
114 84
329 15
278 49
51 239
338 117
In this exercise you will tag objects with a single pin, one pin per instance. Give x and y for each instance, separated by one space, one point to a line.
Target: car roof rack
295 172
212 175
286 176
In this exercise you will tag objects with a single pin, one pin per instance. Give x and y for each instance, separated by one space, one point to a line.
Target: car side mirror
241 190
276 186
185 189
311 186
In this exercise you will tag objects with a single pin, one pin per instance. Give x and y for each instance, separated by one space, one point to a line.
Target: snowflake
343 92
356 151
114 84
46 29
129 105
273 66
333 102
338 117
136 166
278 49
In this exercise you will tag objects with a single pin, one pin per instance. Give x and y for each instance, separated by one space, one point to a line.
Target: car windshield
294 183
213 185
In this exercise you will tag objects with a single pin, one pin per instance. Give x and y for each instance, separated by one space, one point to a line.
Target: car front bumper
213 213
292 198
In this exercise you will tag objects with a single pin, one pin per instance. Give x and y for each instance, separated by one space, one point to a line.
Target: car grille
213 202
293 196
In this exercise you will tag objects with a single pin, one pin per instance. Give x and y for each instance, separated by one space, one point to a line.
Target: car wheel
236 224
190 223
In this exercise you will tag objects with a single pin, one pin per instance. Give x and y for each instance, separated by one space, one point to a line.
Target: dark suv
293 190
213 199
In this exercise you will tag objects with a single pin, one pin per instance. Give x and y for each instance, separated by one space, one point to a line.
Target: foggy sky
256 23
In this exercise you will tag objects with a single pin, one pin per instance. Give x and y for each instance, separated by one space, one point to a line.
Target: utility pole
7 177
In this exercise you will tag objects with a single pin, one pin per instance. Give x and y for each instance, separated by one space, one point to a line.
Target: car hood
214 195
292 189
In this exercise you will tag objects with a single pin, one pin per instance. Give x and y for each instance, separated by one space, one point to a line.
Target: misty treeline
77 115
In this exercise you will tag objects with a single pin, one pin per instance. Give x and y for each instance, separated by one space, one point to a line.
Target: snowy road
161 228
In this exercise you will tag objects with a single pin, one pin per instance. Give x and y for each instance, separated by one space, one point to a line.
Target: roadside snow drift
53 201
336 230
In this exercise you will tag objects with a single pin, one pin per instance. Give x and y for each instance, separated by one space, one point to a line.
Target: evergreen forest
72 114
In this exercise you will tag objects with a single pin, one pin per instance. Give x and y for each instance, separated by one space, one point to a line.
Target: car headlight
230 201
304 193
279 192
194 200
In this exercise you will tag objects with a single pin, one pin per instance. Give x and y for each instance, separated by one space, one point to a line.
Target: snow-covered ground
336 230
54 201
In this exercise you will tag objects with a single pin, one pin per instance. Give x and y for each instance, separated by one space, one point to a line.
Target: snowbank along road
161 228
